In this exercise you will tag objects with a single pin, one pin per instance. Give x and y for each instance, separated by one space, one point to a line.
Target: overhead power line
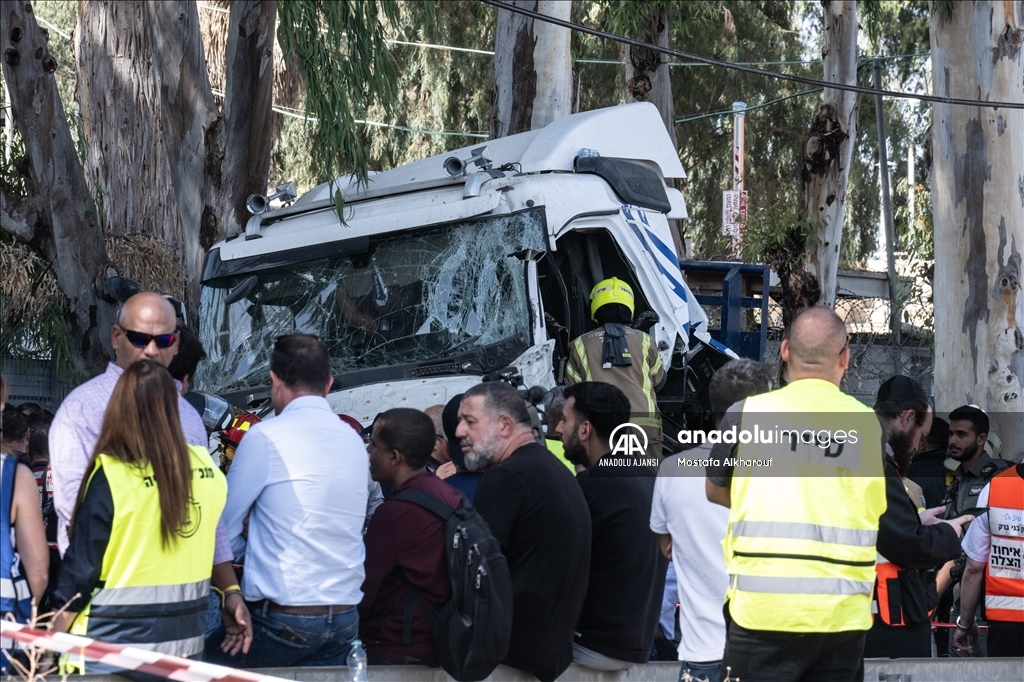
762 105
772 63
299 114
748 69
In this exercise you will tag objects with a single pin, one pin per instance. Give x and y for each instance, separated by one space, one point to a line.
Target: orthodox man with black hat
619 355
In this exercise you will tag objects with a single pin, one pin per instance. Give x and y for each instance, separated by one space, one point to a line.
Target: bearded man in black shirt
539 516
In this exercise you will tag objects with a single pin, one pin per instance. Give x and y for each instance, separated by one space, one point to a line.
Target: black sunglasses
141 340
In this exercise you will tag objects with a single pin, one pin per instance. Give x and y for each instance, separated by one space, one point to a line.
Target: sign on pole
734 213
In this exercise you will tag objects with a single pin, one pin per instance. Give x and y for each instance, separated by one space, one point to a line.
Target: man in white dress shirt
301 479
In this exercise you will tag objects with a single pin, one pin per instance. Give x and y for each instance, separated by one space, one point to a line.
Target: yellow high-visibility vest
154 598
800 549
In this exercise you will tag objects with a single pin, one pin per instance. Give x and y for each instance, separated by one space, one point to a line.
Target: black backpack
472 631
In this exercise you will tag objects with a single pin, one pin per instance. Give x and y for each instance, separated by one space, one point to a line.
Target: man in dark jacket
928 468
627 570
909 551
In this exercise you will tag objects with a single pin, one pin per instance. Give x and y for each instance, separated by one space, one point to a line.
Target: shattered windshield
415 296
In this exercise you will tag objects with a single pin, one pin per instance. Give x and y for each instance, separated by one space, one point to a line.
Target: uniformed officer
968 435
621 356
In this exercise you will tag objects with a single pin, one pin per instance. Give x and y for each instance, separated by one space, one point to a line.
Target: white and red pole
738 118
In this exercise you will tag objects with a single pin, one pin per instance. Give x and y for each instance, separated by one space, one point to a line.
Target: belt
272 607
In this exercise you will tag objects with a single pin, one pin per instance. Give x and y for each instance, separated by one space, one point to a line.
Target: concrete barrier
896 670
911 670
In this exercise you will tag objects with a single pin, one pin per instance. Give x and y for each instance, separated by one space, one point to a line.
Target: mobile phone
974 511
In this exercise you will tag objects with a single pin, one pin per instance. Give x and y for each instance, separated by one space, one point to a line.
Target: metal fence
875 354
35 381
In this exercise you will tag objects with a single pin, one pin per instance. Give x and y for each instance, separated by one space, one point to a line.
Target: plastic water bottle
356 662
585 153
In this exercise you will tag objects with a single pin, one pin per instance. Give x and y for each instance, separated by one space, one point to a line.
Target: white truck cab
464 265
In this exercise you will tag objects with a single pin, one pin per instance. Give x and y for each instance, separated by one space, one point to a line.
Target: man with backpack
404 543
437 588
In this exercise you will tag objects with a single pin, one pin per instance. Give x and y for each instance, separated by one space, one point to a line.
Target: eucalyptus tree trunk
57 216
248 109
978 207
647 77
828 148
163 168
147 111
647 80
532 69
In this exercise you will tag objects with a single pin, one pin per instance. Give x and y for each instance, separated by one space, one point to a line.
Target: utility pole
734 201
883 172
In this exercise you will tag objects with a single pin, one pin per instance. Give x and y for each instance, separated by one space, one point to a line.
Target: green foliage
442 92
32 316
776 235
343 55
744 32
627 18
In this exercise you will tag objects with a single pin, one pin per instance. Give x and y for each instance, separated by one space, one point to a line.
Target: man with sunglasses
146 329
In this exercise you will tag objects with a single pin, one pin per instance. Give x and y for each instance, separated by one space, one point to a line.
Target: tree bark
829 147
532 69
58 217
647 80
248 105
147 108
647 77
978 203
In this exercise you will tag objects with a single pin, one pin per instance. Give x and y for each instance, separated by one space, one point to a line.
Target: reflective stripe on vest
801 543
779 585
1004 573
581 351
805 531
155 597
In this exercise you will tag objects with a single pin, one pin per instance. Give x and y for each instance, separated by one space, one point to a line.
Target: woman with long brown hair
137 570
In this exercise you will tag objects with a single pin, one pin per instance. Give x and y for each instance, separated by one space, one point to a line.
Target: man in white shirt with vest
301 478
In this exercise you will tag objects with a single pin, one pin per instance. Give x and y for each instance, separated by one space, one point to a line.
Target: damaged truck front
458 267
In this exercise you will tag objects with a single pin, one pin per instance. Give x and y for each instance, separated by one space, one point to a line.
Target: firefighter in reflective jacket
619 355
995 567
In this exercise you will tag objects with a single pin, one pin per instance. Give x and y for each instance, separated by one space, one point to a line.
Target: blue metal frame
732 302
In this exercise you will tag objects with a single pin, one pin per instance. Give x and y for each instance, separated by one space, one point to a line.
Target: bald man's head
816 343
147 318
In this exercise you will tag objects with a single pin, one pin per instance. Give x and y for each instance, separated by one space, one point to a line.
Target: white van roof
629 131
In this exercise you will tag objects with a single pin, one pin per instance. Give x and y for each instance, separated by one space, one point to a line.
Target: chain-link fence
875 354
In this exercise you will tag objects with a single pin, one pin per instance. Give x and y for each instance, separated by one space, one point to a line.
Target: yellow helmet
612 290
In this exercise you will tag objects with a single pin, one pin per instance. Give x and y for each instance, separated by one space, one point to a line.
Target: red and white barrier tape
130 658
936 626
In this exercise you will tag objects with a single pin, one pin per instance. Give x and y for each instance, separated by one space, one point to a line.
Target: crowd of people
833 554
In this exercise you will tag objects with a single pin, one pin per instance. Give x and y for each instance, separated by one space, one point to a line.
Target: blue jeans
283 640
701 671
213 617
